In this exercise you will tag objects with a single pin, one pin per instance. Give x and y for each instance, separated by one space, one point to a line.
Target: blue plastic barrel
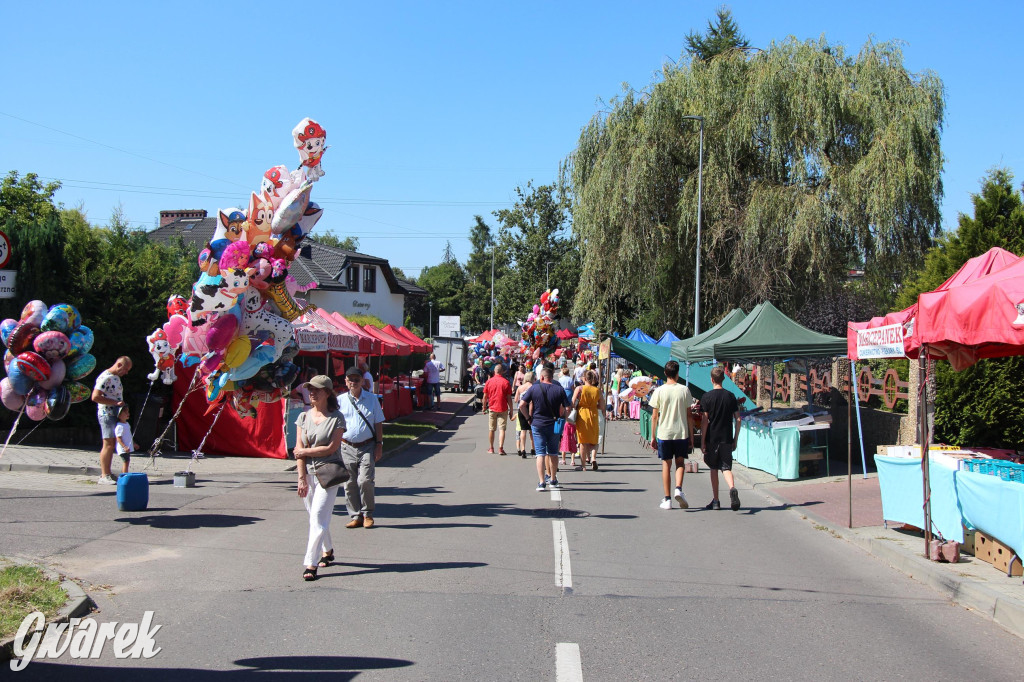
132 492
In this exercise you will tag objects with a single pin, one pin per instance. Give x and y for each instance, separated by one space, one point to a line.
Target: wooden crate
991 551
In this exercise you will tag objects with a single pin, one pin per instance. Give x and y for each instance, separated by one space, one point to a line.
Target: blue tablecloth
993 506
901 484
776 451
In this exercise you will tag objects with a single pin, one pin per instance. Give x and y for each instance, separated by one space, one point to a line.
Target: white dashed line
563 572
556 495
568 664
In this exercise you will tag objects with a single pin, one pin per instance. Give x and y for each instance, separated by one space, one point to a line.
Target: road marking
556 495
568 665
563 571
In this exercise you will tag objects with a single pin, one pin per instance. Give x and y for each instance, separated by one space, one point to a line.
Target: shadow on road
333 668
424 526
190 521
399 568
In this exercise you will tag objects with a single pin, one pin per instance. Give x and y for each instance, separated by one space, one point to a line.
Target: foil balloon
310 139
21 337
8 356
80 366
176 305
58 400
56 320
79 391
6 327
74 317
290 310
52 345
261 215
163 357
237 351
35 404
292 208
32 365
81 341
21 383
34 312
11 399
279 182
58 370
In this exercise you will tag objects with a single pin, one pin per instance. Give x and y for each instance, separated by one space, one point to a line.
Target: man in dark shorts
720 427
670 431
546 403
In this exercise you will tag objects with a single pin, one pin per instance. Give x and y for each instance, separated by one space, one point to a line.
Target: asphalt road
472 575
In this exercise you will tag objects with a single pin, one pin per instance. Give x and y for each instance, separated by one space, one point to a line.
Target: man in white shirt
670 431
108 395
362 446
432 381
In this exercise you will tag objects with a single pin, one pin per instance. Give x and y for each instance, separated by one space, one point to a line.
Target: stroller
478 397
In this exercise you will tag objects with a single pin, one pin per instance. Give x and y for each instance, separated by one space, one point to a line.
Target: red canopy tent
565 334
389 344
486 336
981 319
413 337
416 345
368 344
992 261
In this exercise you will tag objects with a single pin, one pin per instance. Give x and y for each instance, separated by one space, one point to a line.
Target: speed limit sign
5 250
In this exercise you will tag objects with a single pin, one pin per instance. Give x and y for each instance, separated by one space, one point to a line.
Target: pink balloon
57 372
35 406
11 400
221 332
536 309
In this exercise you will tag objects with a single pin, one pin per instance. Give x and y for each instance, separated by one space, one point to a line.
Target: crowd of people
556 414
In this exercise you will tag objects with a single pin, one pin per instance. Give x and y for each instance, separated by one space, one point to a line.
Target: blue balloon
21 383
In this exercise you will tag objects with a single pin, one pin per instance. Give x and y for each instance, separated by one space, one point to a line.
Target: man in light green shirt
670 431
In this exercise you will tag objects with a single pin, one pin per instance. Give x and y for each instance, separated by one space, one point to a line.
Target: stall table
776 450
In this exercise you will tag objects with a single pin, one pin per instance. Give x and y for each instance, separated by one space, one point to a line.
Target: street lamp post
547 278
492 286
700 197
430 319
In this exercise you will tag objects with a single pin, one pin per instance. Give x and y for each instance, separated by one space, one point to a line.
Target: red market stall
232 435
417 345
368 344
389 344
408 334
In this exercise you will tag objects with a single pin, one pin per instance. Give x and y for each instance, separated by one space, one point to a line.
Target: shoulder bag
574 413
329 471
363 417
559 422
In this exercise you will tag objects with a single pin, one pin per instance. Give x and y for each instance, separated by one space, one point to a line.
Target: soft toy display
47 353
238 325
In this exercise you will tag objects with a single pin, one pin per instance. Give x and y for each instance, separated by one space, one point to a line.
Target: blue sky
434 111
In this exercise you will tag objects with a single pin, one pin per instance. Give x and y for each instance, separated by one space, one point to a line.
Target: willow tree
814 161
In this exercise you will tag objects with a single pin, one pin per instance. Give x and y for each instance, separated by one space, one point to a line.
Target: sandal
593 465
309 574
326 560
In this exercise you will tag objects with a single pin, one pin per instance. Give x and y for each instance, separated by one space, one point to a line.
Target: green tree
26 200
476 309
722 36
813 160
535 250
331 239
445 284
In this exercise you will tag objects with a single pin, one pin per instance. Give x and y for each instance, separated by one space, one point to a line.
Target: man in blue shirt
362 446
547 402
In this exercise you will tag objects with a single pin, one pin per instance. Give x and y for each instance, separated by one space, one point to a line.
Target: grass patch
399 432
24 589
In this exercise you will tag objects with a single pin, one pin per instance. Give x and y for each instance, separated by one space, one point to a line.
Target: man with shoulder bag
362 446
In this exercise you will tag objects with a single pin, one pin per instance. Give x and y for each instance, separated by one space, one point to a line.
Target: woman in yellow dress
588 402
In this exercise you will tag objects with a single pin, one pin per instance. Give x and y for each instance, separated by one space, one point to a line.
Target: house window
369 279
352 278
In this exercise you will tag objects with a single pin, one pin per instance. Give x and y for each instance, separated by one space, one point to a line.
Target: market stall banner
881 342
900 483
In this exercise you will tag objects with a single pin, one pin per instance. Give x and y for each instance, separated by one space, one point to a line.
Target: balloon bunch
539 328
490 351
238 326
47 353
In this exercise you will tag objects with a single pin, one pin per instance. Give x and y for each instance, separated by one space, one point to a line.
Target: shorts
674 449
126 457
719 456
545 441
497 419
521 420
107 424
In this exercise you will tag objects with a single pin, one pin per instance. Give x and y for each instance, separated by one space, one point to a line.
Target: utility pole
492 286
700 196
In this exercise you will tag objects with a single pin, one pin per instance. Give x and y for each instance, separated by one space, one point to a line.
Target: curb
1006 612
409 443
77 605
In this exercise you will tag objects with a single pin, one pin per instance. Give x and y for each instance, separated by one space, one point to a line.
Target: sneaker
547 479
681 499
490 451
106 480
714 504
666 503
734 498
541 487
554 483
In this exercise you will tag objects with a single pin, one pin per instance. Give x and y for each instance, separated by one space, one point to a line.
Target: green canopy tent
768 335
681 348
